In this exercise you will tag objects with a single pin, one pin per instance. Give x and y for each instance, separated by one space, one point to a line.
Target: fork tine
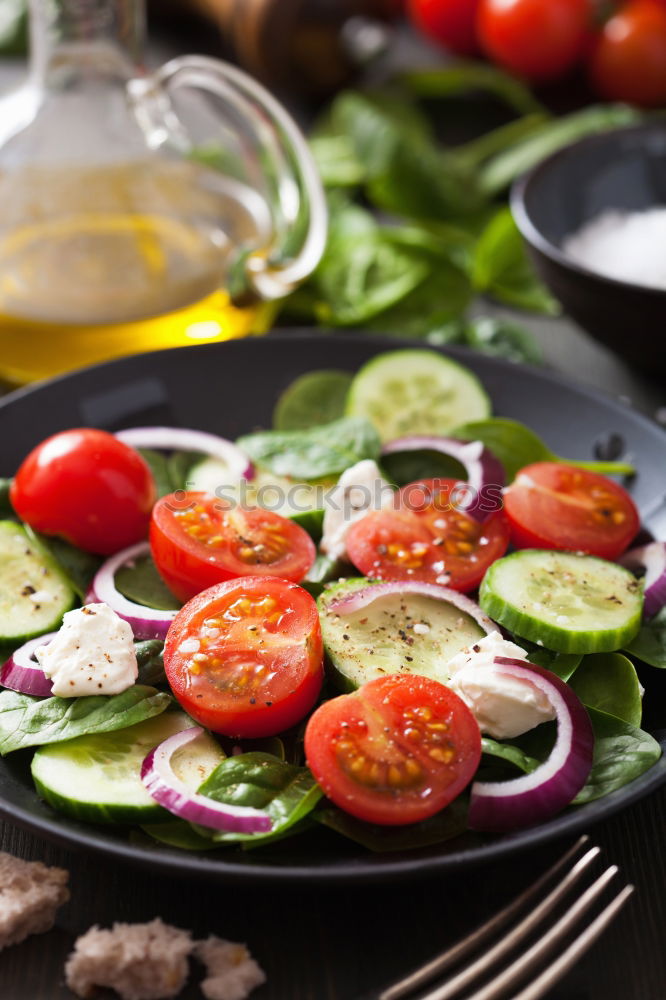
561 965
527 960
425 973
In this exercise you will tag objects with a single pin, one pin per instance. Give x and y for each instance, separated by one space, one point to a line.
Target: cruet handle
283 160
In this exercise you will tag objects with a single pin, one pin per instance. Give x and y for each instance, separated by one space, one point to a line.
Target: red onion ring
21 673
147 623
502 806
366 595
484 470
238 463
652 559
160 781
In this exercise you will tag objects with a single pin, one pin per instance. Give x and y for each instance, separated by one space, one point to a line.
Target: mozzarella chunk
93 653
360 489
503 706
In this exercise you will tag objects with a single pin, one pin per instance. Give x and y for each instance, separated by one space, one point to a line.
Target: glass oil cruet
141 211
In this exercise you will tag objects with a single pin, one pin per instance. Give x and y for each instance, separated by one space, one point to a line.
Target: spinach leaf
512 754
562 664
517 446
324 569
465 77
316 453
621 753
445 825
313 399
141 583
6 509
29 722
650 643
285 792
500 171
502 339
150 661
78 567
609 683
158 465
503 270
179 833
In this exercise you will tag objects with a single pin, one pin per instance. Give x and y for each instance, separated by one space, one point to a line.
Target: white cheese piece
360 489
93 653
503 706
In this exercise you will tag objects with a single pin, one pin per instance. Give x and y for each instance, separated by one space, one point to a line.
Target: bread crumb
232 972
30 894
138 961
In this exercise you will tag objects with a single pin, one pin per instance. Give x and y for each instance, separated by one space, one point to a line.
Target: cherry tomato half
628 62
245 658
86 486
428 538
198 540
537 39
452 23
555 506
396 751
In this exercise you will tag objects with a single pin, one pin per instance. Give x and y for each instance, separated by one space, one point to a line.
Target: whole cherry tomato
537 39
628 61
452 23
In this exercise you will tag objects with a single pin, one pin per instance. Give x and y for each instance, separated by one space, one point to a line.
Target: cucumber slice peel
565 601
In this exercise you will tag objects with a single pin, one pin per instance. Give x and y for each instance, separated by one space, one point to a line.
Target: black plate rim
378 868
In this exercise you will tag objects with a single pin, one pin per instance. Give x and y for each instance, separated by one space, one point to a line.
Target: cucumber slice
34 592
97 778
416 392
381 638
567 602
301 502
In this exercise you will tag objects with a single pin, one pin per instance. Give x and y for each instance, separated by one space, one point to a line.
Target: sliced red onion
501 806
147 623
366 595
23 674
485 473
172 793
652 559
237 462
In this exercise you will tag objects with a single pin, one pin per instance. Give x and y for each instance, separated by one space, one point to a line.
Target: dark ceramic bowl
623 169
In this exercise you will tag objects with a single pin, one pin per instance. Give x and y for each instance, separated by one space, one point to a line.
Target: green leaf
313 399
517 446
650 643
77 566
473 154
562 664
179 833
503 339
337 161
141 583
29 722
323 570
445 825
6 509
621 754
150 661
13 27
512 754
500 171
316 453
466 77
502 269
609 683
287 793
159 467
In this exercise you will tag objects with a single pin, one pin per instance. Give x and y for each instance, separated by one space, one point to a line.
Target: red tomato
198 540
427 538
452 23
245 658
86 486
553 506
537 39
396 751
628 62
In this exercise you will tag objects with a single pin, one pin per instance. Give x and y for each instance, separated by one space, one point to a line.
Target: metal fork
550 953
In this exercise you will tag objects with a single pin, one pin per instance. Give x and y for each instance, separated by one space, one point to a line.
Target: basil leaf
501 339
150 661
608 682
512 754
650 643
621 753
337 162
503 270
445 825
285 792
142 584
517 446
472 154
27 722
315 453
500 171
463 77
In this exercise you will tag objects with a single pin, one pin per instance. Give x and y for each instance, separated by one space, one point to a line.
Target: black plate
231 388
